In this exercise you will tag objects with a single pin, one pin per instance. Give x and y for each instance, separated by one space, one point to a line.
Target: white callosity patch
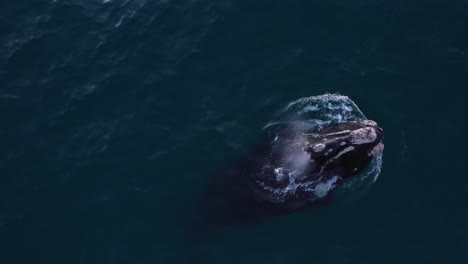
363 135
369 123
339 133
346 150
318 147
377 150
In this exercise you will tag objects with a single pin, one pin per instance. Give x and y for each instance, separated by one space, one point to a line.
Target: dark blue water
115 115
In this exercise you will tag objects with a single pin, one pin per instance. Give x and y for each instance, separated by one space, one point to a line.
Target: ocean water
117 114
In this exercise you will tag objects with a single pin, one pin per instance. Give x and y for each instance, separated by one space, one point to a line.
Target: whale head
345 149
304 165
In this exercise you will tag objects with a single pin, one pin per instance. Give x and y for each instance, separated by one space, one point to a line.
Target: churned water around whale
115 115
311 148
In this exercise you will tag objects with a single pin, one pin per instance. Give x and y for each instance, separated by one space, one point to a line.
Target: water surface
116 114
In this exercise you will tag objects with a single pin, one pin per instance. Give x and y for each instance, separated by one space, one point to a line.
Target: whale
294 168
302 167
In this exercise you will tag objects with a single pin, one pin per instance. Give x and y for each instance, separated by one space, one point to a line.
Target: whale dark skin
292 169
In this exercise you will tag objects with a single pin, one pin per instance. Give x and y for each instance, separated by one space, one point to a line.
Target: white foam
323 188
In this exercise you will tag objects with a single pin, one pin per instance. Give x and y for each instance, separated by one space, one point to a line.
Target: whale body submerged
295 168
315 145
